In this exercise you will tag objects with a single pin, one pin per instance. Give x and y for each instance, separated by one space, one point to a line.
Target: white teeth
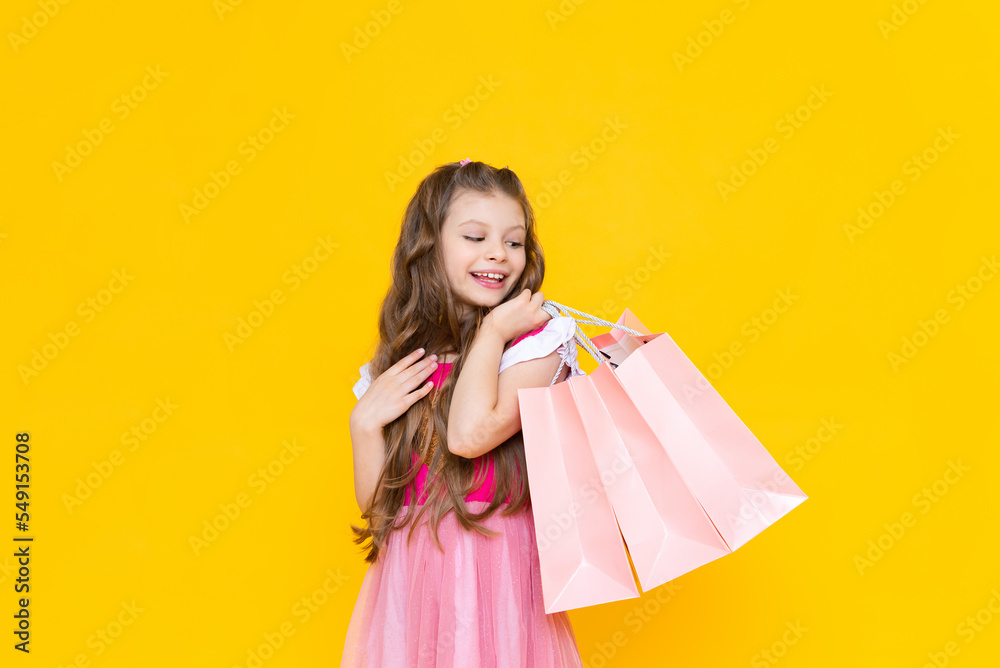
498 277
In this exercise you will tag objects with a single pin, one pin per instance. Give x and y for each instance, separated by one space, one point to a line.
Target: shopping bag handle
554 308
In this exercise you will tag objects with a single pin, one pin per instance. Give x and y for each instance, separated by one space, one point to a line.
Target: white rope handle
554 308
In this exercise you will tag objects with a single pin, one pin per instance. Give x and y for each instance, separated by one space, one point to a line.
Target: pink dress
478 603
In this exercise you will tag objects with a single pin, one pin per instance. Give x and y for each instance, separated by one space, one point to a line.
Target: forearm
474 399
369 456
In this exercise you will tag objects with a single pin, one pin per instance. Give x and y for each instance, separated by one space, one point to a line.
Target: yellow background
560 73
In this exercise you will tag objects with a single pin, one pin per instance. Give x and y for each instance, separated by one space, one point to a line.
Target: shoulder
531 333
556 335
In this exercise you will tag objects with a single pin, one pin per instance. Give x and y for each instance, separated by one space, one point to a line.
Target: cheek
521 260
453 260
459 266
465 260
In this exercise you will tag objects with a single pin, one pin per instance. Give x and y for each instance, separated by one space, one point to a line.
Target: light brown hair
419 311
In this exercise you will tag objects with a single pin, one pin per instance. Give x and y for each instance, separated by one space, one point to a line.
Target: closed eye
517 244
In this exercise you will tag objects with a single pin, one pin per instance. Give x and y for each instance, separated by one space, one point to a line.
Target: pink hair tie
464 162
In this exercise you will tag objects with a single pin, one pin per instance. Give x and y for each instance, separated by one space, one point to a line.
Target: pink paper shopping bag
580 549
658 468
666 530
730 473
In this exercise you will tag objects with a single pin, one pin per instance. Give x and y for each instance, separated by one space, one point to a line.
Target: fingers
531 297
420 393
423 389
406 361
418 372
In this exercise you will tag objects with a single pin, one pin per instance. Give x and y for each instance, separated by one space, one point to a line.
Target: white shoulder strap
558 334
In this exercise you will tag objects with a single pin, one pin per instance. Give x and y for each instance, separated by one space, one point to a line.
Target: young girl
437 442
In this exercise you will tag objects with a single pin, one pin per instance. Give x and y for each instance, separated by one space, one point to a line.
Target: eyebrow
516 226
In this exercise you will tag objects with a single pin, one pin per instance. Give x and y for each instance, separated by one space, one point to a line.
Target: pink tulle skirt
478 604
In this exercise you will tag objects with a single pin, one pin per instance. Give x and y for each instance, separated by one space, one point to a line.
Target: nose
497 252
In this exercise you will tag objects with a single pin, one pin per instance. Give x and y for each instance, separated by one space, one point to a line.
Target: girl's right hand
521 314
393 392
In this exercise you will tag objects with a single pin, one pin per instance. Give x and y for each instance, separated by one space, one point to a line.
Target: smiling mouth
488 281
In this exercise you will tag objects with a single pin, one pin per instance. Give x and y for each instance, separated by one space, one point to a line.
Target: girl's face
483 234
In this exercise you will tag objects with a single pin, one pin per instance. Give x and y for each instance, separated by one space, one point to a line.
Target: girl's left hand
519 315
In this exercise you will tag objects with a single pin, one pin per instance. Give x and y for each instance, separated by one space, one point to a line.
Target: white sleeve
366 380
558 334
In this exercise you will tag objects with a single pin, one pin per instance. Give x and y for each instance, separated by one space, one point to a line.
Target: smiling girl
436 436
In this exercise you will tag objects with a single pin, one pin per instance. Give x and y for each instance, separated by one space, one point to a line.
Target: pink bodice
485 491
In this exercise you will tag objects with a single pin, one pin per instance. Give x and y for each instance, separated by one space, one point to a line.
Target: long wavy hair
419 311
